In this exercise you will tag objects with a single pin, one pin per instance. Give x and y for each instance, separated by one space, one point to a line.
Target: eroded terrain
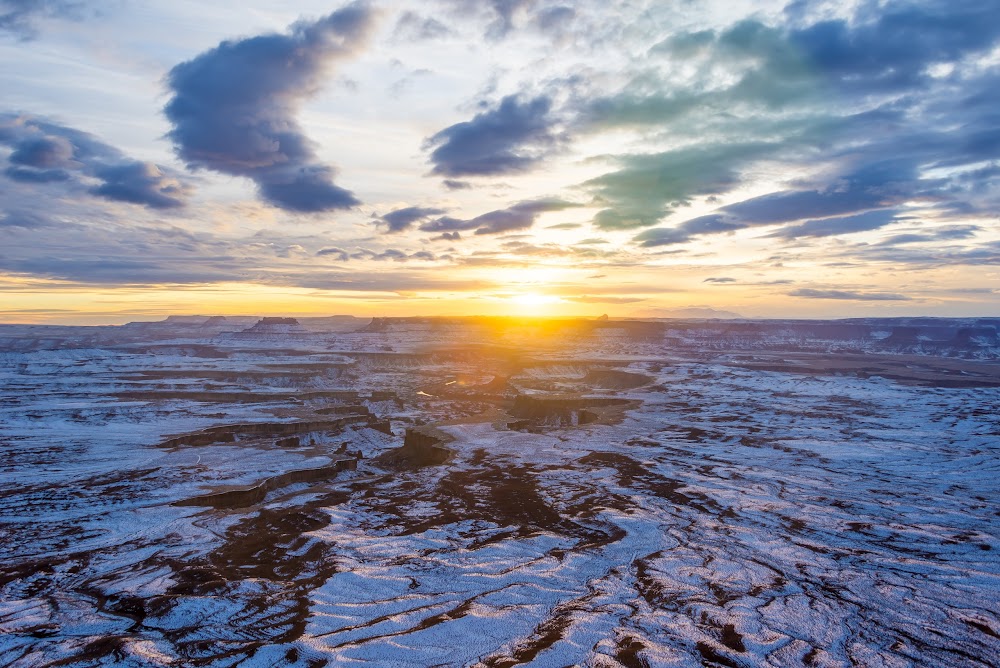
498 493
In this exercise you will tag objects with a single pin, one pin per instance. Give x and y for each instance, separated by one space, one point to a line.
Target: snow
734 515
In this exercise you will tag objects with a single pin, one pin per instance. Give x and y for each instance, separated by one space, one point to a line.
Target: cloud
413 27
519 216
661 236
826 227
853 202
37 175
893 46
25 219
393 254
48 153
452 184
499 15
339 252
511 138
848 294
140 183
648 187
753 92
666 236
44 152
123 270
555 20
951 233
602 299
719 279
233 108
384 281
793 205
448 224
402 219
21 17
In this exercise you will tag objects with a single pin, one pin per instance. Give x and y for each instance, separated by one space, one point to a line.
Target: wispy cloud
519 216
402 219
21 17
853 295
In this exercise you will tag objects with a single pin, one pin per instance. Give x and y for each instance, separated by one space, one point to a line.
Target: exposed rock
422 446
563 411
240 498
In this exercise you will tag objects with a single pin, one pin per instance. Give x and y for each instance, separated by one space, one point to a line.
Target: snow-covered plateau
500 492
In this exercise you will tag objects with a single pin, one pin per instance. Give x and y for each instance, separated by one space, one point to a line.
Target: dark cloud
448 224
448 236
25 175
389 254
792 205
393 254
402 219
109 270
233 109
719 279
45 152
340 253
520 216
666 236
661 236
452 184
848 294
951 233
893 45
139 183
827 227
513 137
711 224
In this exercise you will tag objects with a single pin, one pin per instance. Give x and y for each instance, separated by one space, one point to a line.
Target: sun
533 303
534 299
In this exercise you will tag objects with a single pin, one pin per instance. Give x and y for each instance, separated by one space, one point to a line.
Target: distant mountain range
696 313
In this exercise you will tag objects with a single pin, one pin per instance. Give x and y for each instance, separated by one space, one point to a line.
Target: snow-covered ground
746 508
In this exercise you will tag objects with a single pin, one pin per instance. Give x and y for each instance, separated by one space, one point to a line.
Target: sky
459 157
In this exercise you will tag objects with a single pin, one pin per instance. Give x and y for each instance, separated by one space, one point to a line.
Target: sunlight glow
535 299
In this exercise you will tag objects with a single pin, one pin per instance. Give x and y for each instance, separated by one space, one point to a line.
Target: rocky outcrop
613 379
273 328
536 411
248 496
422 446
231 433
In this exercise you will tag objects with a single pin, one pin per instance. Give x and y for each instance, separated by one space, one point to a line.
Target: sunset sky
773 159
